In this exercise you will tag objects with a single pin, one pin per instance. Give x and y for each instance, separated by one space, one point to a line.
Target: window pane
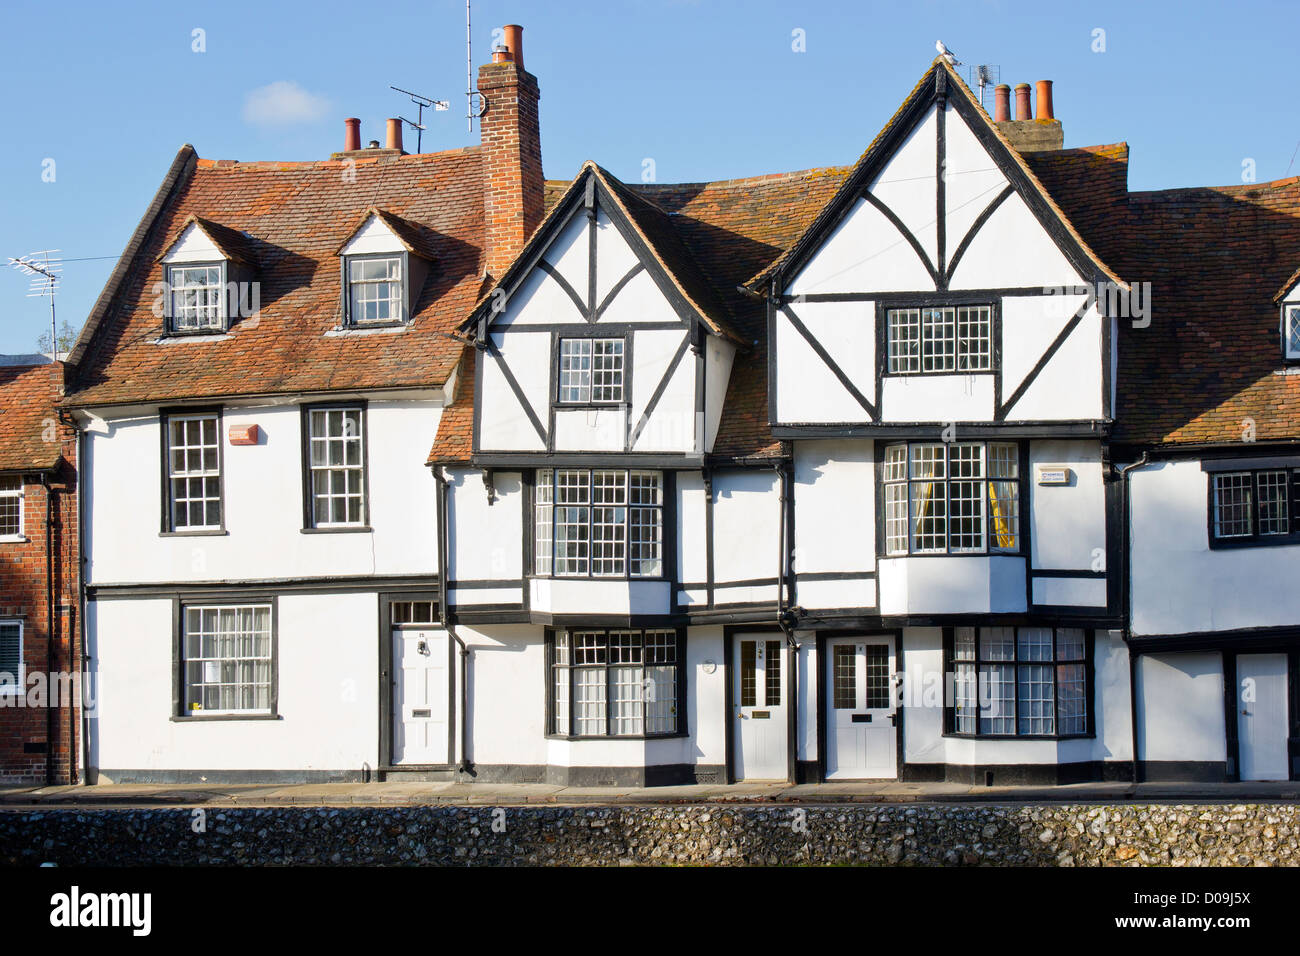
661 699
773 673
1272 491
1004 515
748 673
974 338
998 699
1037 699
11 506
877 676
1069 644
896 518
845 667
625 700
938 340
575 370
904 330
966 511
589 701
895 462
1293 331
929 517
997 643
1034 643
1073 704
964 702
1232 506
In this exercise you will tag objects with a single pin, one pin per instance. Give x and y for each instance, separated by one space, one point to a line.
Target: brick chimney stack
512 153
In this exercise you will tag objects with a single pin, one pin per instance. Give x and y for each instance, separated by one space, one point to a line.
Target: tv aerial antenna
45 268
985 75
421 104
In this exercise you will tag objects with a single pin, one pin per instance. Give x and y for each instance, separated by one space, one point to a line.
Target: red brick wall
512 152
26 742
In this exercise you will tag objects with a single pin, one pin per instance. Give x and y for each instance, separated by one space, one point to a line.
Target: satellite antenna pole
421 102
984 75
44 268
469 75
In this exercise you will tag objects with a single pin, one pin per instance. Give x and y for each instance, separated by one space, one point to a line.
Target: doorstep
471 794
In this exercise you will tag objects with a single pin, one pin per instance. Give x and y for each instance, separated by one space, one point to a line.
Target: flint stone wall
909 835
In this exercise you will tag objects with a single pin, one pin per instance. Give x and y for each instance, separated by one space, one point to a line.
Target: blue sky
707 89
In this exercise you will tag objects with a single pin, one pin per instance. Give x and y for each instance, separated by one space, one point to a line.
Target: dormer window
1291 332
384 262
197 297
375 291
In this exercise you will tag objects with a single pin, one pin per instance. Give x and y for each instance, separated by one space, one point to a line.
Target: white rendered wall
373 237
1180 707
263 489
1178 584
834 521
1069 521
746 525
957 584
326 676
485 542
193 246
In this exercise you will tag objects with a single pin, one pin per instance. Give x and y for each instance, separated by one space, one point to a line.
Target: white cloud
283 101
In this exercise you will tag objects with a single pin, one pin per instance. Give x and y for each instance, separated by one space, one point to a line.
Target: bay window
617 683
598 523
1018 682
951 498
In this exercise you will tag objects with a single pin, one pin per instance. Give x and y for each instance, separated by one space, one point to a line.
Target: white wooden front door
1262 716
861 707
420 696
760 690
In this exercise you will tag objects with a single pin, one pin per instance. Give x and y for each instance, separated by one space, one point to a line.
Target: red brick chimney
512 153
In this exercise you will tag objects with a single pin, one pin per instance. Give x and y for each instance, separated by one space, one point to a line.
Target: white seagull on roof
946 53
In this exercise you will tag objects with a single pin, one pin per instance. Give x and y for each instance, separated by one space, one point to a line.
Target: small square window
375 290
196 293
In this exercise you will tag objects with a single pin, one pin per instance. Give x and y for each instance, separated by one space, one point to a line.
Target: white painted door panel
862 741
760 692
420 696
1262 716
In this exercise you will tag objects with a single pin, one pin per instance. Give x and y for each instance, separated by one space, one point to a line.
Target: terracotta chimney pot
515 42
395 133
1023 111
1001 103
351 134
1045 100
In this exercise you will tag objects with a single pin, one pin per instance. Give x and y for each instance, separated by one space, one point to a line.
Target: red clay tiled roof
298 215
454 442
731 229
1210 362
28 394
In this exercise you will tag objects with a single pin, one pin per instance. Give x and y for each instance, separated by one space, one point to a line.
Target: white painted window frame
187 688
18 494
396 297
626 517
934 343
204 322
1291 331
201 474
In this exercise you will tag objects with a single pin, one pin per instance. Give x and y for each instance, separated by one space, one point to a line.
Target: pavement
474 794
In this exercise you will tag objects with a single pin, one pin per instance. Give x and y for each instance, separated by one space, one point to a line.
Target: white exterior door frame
760 708
860 712
439 650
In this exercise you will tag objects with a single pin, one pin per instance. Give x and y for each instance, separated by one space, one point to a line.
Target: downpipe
1125 600
463 765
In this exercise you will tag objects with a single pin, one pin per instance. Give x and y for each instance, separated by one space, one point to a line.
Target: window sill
14 539
206 532
1019 737
623 578
953 554
361 328
609 737
197 718
210 335
590 406
1267 541
357 529
943 374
